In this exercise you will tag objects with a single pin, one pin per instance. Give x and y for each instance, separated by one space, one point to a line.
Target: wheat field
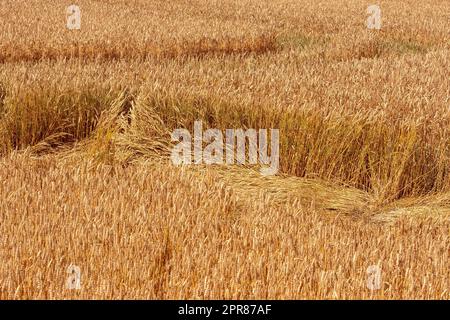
85 138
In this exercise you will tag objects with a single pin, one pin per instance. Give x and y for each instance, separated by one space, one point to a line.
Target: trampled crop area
92 205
